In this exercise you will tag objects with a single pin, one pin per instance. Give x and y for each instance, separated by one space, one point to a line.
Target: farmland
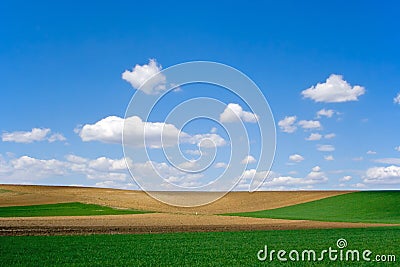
188 249
92 226
370 207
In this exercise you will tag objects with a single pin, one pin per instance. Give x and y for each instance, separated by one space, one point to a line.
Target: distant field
190 249
63 209
4 191
368 207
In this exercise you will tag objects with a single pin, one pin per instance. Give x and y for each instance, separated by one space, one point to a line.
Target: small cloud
330 136
326 148
248 160
314 137
56 137
213 130
146 78
334 90
195 152
287 125
359 185
296 158
397 148
345 178
220 165
396 100
35 135
325 113
234 112
310 124
370 152
329 158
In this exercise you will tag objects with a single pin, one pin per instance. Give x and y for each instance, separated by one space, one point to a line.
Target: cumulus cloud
146 78
330 136
371 152
287 125
314 137
26 168
329 158
220 165
275 181
396 100
383 175
345 178
334 90
326 148
325 113
155 134
248 160
310 124
35 135
397 148
296 158
234 112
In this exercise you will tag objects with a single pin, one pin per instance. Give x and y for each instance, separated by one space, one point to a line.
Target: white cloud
329 157
296 158
326 113
56 137
213 130
388 161
314 137
193 152
383 175
35 135
234 112
396 100
26 168
370 152
287 125
310 124
345 178
275 181
334 90
156 134
330 136
326 148
146 78
397 148
248 160
359 185
208 140
220 165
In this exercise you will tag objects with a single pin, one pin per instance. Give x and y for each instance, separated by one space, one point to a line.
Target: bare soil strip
155 223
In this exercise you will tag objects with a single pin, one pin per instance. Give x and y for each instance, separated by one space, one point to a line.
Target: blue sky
61 66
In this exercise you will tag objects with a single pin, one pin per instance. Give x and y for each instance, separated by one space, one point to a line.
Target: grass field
4 191
369 207
62 209
190 249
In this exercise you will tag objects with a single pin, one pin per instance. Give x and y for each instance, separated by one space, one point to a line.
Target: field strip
156 223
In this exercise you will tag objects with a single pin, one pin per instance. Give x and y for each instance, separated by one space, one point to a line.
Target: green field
190 249
4 191
368 207
62 209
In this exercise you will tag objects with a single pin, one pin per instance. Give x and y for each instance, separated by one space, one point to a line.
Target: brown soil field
166 219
